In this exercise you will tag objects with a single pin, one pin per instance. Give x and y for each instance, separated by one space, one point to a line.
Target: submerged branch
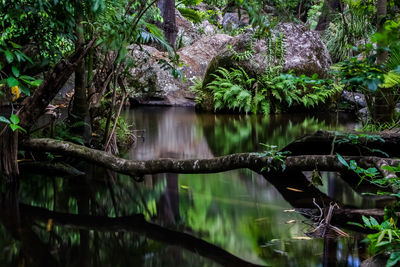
50 168
136 224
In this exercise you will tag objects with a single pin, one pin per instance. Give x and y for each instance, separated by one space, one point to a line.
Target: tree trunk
383 107
328 9
80 108
167 8
33 107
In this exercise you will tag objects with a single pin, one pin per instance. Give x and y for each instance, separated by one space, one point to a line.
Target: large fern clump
232 89
287 90
271 92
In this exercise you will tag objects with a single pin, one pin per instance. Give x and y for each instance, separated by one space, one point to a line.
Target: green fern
197 88
392 79
193 15
232 90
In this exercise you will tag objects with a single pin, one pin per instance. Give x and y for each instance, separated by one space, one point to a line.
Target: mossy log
365 144
252 161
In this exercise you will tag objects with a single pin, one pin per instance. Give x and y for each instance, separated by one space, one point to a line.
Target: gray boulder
305 53
231 21
150 84
187 32
356 100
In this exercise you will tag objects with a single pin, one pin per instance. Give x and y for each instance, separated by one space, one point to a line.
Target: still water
238 211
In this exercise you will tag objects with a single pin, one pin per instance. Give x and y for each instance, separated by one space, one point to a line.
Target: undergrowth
271 92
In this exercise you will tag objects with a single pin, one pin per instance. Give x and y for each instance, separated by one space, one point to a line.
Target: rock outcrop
305 53
150 84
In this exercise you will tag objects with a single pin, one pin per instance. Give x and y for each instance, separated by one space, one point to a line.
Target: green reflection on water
238 210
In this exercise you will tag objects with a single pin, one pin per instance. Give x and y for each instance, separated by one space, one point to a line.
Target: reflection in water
238 211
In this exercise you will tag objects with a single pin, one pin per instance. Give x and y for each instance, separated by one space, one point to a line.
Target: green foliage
197 88
369 174
49 25
235 90
348 29
385 240
356 139
314 13
245 55
11 72
192 15
360 141
232 89
377 126
291 89
361 75
272 151
12 122
64 132
125 137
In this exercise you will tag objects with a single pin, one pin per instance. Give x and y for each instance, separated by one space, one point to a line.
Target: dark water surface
238 211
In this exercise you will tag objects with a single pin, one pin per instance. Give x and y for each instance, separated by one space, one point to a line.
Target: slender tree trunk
80 109
383 108
167 8
328 9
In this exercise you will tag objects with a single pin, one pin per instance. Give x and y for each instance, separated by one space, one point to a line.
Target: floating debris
294 189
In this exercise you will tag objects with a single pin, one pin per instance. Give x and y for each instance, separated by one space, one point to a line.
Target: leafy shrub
234 90
349 29
125 137
386 239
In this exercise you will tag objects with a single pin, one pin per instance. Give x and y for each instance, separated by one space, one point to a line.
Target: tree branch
252 161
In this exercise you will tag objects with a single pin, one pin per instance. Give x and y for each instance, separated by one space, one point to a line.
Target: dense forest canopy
69 69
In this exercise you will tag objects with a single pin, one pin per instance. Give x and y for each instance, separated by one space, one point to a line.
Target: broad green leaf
15 45
373 221
24 89
9 56
342 160
4 119
14 119
12 81
17 127
366 221
36 83
381 236
393 259
15 71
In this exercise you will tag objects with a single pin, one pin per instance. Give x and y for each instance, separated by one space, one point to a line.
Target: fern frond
391 79
191 14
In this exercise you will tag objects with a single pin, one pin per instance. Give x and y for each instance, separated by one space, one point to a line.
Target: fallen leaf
49 225
293 210
294 189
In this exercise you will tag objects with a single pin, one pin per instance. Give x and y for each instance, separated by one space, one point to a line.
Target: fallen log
252 161
326 143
